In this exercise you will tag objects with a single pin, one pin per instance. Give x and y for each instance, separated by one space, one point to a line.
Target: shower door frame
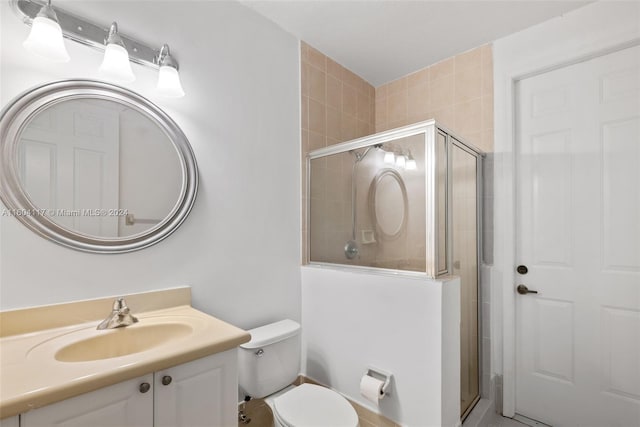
430 129
451 141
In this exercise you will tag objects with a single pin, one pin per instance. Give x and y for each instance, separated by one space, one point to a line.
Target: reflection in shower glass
367 206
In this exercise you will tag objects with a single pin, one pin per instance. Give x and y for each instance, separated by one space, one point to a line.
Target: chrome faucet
120 316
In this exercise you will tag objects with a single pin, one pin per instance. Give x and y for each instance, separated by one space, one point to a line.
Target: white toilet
268 365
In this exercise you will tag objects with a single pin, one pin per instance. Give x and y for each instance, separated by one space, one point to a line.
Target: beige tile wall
458 92
337 105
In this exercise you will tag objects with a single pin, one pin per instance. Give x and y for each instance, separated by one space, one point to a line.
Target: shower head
362 155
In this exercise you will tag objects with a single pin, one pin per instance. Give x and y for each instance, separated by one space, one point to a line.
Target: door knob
523 290
166 380
145 387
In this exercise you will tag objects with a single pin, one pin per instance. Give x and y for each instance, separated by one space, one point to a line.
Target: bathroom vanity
191 394
177 366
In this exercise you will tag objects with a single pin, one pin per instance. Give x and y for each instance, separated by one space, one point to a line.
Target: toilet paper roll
371 388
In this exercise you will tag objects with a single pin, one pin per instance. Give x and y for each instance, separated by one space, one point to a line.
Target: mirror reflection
388 203
99 168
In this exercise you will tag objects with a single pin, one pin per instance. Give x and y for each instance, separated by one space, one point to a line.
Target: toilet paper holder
381 375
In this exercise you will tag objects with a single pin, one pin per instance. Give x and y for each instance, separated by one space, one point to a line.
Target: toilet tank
271 360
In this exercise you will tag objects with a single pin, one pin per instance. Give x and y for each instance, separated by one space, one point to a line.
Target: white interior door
578 232
69 161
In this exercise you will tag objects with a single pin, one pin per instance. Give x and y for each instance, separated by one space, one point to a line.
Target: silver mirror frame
18 113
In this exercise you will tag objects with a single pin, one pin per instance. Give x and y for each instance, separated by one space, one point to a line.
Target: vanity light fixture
45 37
49 26
168 77
116 65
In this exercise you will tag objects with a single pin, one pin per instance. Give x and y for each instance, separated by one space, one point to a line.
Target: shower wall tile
457 92
442 92
333 68
317 84
487 69
441 69
445 116
316 58
418 78
337 105
397 106
468 118
334 124
418 102
468 83
334 92
470 58
316 140
317 116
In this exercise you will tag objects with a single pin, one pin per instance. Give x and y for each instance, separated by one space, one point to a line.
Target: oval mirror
388 203
95 167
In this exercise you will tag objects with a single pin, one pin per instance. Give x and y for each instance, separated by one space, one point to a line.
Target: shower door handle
523 290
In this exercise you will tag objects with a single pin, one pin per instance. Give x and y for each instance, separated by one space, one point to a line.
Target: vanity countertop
31 376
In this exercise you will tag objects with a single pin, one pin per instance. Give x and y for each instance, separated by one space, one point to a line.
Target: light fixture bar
88 33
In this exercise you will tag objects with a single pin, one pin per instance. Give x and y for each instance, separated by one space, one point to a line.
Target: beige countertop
31 377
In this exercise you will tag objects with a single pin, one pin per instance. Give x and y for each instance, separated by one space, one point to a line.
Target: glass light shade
389 157
45 40
169 82
411 164
401 161
116 65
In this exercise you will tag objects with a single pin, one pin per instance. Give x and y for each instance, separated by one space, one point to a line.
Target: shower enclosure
404 201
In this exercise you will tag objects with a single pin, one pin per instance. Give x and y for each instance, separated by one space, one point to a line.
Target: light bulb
45 37
389 157
168 77
401 161
169 82
411 164
116 65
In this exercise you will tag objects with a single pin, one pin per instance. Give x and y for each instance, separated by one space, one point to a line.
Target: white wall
406 325
239 249
575 36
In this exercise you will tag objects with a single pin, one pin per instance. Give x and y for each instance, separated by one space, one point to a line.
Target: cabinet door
119 405
202 393
10 422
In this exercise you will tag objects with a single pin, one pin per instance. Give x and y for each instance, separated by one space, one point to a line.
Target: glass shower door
464 174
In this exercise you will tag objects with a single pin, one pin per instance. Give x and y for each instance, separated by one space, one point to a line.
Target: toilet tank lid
271 333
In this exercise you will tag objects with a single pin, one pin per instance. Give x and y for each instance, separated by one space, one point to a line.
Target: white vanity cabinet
199 393
121 404
195 394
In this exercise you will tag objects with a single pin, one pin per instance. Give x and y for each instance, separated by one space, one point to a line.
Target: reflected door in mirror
68 164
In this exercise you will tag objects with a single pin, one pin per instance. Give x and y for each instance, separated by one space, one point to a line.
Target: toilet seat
310 405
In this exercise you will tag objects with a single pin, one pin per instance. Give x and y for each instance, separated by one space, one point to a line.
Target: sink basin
122 342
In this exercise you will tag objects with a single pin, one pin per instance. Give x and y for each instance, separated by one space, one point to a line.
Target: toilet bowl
311 405
268 365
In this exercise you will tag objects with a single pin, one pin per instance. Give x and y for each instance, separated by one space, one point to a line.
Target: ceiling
385 40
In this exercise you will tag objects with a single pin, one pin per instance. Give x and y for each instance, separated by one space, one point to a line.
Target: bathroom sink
122 341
